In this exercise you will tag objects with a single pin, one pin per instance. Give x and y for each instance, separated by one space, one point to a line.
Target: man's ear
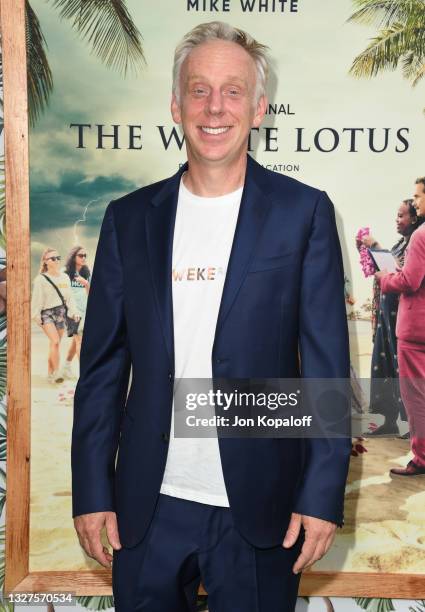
175 110
260 111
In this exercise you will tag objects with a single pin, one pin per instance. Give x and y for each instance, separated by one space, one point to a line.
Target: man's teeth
219 130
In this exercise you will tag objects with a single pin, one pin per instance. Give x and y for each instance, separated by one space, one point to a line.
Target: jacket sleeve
324 354
411 277
101 390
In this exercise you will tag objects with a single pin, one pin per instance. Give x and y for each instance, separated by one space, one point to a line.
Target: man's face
217 105
419 199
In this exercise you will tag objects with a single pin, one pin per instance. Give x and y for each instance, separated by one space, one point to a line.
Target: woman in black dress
385 396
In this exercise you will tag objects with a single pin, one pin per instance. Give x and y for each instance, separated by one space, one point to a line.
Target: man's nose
215 103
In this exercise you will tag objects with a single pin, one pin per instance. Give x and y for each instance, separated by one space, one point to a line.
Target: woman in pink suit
410 331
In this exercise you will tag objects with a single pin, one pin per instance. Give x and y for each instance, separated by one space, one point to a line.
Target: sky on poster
312 51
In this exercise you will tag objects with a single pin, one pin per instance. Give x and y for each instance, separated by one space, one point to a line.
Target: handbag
71 324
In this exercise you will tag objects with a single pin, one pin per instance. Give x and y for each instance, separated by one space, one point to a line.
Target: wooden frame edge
12 16
313 584
18 578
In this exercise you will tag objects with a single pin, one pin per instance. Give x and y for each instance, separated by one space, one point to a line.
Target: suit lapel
253 210
160 221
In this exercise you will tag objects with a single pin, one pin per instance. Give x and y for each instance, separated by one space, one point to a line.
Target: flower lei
366 261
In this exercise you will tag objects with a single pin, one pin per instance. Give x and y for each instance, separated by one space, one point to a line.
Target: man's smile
215 130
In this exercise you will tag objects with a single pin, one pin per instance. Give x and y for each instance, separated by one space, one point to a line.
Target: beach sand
54 543
384 529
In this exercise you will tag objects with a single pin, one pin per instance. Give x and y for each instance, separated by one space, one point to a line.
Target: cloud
59 206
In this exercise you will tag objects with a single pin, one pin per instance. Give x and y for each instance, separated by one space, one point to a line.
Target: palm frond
383 13
3 440
2 564
420 73
6 606
107 25
96 602
2 198
1 87
40 81
413 67
383 52
372 604
2 499
3 364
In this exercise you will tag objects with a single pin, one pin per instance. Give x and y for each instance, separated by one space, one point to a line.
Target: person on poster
409 282
385 390
79 275
224 270
51 302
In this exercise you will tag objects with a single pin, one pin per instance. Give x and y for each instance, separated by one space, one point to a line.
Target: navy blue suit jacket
282 314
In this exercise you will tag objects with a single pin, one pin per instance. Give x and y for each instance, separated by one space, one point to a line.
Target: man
244 515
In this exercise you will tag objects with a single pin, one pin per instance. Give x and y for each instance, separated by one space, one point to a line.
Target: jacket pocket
270 262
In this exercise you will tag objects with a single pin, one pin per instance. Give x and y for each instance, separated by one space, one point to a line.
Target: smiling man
225 270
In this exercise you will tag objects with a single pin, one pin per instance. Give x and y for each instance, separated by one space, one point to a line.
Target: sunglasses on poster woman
78 276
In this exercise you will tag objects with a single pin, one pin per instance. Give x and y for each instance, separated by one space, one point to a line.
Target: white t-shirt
203 237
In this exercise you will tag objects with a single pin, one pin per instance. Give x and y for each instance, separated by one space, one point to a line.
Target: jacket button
170 376
218 360
165 437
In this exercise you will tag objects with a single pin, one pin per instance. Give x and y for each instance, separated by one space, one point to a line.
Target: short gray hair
219 30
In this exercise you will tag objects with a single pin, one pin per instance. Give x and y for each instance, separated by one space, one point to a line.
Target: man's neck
213 180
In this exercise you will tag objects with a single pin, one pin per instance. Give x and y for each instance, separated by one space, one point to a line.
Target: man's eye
199 91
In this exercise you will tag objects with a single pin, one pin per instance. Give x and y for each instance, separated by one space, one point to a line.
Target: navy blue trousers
188 542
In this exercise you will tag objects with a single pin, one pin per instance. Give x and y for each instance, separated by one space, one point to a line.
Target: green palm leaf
3 363
385 12
2 561
413 68
2 200
105 24
2 498
6 606
374 604
401 39
96 602
40 81
418 75
2 442
108 26
383 52
420 607
1 88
